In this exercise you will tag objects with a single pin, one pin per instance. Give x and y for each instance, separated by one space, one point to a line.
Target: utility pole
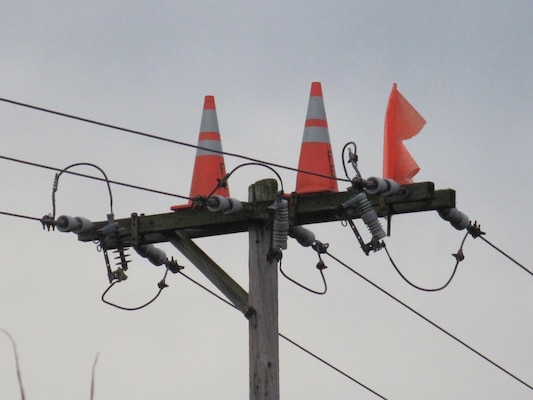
260 304
263 298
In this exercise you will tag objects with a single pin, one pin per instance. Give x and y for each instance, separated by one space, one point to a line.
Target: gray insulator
352 202
302 235
226 205
369 216
280 228
458 219
392 187
73 224
153 254
375 185
384 187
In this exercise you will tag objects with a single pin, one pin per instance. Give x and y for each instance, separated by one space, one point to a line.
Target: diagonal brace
212 271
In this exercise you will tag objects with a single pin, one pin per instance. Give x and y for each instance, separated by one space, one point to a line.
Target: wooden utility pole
260 305
263 298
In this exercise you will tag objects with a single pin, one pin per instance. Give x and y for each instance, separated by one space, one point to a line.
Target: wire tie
459 256
320 265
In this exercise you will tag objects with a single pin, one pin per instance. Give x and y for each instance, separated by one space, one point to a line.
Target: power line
290 341
20 216
430 322
506 255
97 178
230 304
331 366
459 256
164 139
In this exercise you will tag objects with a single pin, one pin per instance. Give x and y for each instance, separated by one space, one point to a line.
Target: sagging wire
69 224
201 201
58 175
156 257
79 225
460 221
446 332
320 248
459 256
161 285
110 232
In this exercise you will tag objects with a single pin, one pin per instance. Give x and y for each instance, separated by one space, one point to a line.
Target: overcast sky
466 66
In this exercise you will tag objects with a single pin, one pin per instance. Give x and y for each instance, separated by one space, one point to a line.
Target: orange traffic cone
315 155
209 165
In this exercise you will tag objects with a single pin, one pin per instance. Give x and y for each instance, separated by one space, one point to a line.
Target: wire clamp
48 222
173 266
475 230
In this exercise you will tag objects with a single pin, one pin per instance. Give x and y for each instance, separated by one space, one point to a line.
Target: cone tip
316 89
209 102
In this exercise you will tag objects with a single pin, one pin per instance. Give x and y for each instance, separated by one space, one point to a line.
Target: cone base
316 158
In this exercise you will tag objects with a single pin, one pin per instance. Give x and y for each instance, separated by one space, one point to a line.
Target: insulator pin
226 205
383 187
458 219
302 235
153 254
73 224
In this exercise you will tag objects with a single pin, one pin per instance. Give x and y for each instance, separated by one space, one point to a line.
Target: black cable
458 256
303 286
257 164
58 175
331 366
430 322
352 160
97 178
208 290
290 340
152 136
217 296
505 254
20 216
161 286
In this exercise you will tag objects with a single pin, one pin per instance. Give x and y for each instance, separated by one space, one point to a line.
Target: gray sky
465 66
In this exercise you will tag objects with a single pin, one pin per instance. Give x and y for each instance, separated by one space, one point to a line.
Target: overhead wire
458 257
10 214
168 140
58 175
505 254
97 178
249 164
319 292
162 285
338 370
446 332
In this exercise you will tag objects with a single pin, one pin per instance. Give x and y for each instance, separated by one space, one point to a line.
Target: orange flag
402 122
